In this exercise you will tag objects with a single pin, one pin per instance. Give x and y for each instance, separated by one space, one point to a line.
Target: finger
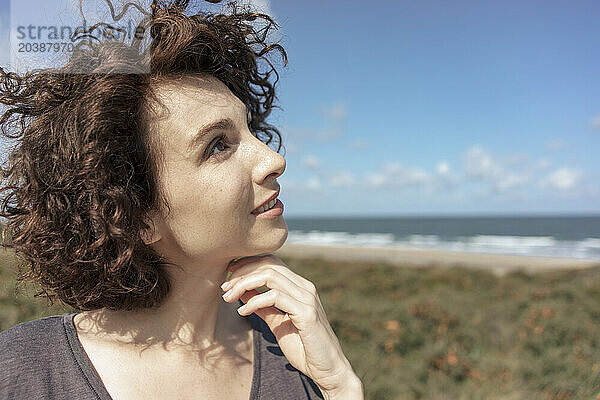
270 278
236 264
252 263
265 312
302 315
301 282
240 262
273 316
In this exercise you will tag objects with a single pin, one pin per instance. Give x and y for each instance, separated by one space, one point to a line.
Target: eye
218 144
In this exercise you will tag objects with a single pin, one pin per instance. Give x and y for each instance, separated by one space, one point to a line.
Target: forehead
203 95
189 103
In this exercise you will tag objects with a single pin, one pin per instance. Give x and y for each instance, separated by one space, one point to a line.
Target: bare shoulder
157 373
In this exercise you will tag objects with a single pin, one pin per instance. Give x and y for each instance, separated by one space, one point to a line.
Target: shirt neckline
95 382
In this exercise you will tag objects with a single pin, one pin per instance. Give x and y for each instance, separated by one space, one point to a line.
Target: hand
293 311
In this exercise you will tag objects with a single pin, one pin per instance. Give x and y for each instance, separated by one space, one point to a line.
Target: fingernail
242 309
227 295
226 285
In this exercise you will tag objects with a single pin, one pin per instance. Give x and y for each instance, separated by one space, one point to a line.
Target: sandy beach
499 264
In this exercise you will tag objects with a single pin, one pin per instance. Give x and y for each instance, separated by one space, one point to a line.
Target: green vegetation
464 334
21 306
433 333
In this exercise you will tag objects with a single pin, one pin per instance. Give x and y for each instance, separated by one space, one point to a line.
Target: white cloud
542 164
514 159
290 147
314 184
556 144
300 186
376 180
479 164
484 176
401 176
443 168
595 122
503 175
335 119
333 125
341 179
510 182
311 162
562 179
359 144
444 178
335 112
394 175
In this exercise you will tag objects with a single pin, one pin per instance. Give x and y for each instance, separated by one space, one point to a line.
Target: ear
151 235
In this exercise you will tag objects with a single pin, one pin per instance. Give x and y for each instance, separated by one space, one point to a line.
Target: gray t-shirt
44 359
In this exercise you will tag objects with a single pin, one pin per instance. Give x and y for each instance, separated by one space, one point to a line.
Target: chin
281 241
275 242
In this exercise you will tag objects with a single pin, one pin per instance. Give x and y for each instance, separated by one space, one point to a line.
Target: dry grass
439 333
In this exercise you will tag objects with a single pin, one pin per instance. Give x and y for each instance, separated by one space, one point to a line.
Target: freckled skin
209 225
212 199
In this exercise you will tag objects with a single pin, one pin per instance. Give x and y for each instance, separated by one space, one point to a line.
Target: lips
274 196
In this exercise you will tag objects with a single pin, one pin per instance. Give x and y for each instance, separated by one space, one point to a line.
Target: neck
193 318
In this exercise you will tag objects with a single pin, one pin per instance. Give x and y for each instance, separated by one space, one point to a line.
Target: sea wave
542 246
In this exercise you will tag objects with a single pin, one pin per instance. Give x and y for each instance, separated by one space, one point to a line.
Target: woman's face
213 182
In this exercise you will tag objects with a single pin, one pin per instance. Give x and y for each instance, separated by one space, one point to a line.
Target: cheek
226 199
223 220
211 217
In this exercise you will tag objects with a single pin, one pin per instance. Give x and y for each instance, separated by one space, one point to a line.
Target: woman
141 179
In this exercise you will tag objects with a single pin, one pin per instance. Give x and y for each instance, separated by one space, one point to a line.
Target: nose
269 164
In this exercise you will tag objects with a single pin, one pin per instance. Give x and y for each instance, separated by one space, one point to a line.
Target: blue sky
439 107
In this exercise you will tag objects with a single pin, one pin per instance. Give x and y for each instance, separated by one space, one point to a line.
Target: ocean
547 236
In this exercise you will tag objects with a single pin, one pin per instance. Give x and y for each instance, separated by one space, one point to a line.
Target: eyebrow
223 124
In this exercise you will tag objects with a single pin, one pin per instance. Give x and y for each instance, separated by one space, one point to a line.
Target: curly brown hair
82 177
